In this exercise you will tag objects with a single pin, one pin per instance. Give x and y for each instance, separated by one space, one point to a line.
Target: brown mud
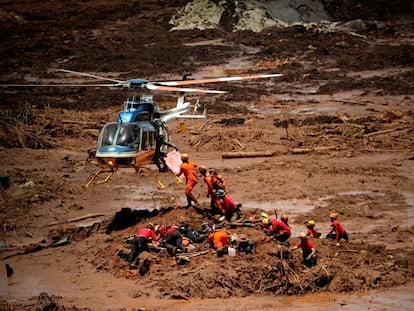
339 126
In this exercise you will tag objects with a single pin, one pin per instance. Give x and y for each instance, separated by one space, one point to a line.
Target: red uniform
306 245
277 225
339 230
189 170
229 206
313 233
166 230
147 234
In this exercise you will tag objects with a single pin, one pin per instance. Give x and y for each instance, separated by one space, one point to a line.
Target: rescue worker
171 239
309 254
277 228
215 202
285 219
188 168
312 233
231 210
160 142
196 236
338 231
219 240
140 244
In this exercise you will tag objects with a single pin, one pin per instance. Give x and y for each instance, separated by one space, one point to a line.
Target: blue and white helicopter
140 135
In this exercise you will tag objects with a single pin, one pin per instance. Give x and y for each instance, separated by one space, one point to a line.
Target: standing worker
216 205
309 254
188 168
160 154
338 231
140 244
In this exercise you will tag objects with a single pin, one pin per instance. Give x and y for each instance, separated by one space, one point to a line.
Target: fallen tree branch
76 219
316 149
247 154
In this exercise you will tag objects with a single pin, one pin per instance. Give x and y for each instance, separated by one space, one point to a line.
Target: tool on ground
184 258
241 224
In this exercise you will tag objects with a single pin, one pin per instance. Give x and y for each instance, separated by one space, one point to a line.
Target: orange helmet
333 215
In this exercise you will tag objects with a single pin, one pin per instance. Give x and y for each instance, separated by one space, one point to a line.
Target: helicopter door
147 139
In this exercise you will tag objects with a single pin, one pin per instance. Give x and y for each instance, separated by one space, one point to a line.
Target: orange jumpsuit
215 200
189 170
218 239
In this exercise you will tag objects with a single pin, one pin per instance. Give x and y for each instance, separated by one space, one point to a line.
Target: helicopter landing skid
161 186
101 181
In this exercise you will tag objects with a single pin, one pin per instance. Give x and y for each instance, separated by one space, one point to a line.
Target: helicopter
140 135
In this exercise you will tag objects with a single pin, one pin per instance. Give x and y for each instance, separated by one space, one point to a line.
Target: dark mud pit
338 127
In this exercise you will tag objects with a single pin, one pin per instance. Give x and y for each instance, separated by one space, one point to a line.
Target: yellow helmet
265 221
184 157
310 223
302 235
333 215
157 228
264 215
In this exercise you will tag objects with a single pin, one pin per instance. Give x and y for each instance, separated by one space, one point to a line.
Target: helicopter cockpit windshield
131 135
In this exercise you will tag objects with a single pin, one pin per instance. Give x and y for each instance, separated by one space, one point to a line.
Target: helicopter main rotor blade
152 86
91 76
58 85
224 79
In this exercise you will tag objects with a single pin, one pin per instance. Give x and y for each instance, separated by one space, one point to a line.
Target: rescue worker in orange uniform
309 254
338 231
219 240
312 233
140 244
216 205
188 168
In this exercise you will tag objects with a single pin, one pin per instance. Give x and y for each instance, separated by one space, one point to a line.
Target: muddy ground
338 126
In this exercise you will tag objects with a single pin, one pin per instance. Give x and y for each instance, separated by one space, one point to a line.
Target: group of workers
175 238
221 203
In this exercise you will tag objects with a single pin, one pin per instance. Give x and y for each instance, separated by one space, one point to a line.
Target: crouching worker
312 233
140 244
172 239
219 240
338 231
277 228
231 210
309 254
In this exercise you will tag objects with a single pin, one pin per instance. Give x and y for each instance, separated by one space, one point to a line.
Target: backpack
217 180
